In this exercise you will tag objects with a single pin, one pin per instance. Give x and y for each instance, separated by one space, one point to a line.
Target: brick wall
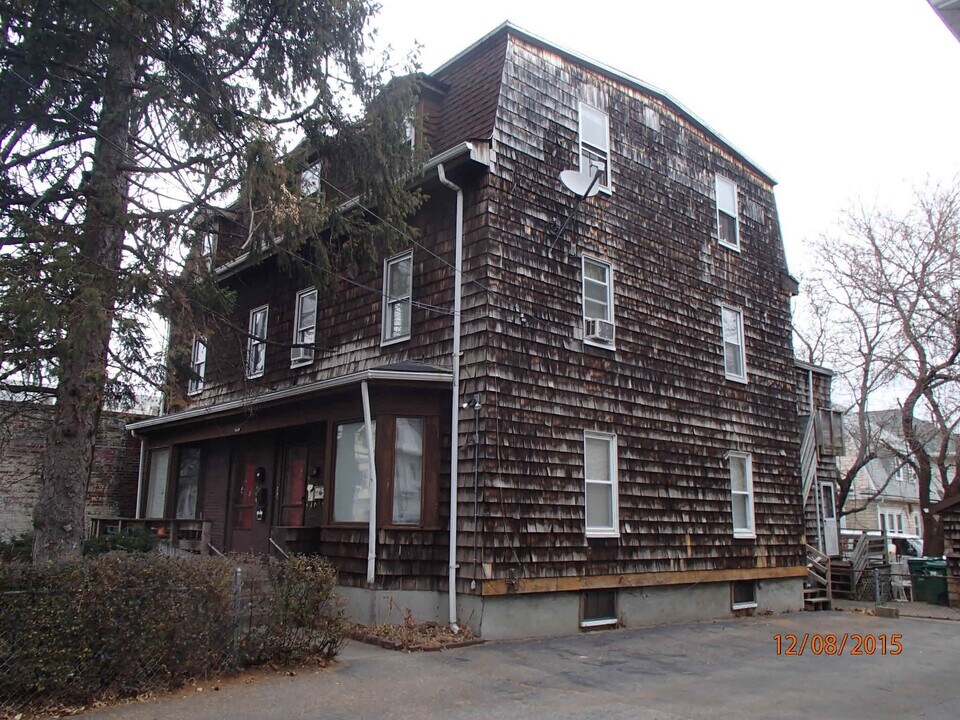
113 481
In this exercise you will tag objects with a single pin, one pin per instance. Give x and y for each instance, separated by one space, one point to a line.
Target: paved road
706 670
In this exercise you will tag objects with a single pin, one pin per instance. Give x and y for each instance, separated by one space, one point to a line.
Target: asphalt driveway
704 670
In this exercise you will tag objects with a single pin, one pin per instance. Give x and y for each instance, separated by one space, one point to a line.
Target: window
598 325
734 357
198 366
741 491
600 480
157 483
598 608
397 297
351 492
744 594
208 246
188 483
256 343
595 143
304 328
410 130
728 230
310 180
408 471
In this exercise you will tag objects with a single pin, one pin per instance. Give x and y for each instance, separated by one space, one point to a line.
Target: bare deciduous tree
883 311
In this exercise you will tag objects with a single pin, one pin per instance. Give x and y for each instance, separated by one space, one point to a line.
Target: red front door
251 504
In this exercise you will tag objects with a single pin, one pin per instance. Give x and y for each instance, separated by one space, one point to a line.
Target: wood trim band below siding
601 582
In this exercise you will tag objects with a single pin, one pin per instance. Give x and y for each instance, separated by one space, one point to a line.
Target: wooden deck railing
180 535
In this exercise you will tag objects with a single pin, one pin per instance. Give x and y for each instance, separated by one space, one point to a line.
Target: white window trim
736 207
743 345
301 362
195 384
251 341
608 188
598 623
749 532
310 181
208 246
743 605
614 484
611 309
384 340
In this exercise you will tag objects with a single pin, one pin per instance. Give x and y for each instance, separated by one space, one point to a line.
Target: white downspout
372 461
142 472
455 398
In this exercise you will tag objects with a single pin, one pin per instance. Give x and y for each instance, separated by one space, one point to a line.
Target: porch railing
180 535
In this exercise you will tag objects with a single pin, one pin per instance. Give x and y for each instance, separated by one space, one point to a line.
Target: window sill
194 393
602 533
744 535
254 377
737 378
743 606
612 347
300 363
600 622
393 341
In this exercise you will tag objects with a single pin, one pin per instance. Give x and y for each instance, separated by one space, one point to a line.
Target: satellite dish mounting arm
591 190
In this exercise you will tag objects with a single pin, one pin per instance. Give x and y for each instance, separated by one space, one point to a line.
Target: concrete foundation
548 614
391 606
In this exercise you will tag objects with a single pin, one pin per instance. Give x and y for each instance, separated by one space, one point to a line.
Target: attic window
595 143
310 180
728 230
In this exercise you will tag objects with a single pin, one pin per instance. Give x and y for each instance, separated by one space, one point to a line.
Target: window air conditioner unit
599 330
301 354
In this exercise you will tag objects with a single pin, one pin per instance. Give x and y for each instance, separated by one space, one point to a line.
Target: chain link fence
77 642
921 580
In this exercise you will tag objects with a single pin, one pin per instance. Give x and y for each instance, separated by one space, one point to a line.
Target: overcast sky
839 100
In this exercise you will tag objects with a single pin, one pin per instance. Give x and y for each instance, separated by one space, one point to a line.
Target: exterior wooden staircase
817 589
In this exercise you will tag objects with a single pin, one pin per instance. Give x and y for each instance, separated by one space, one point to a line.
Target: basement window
744 594
598 608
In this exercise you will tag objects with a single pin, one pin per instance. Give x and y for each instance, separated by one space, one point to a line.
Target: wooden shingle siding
663 391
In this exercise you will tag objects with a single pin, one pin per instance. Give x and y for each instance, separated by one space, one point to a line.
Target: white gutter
371 460
292 392
455 398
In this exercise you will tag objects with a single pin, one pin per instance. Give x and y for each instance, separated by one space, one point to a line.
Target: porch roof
407 371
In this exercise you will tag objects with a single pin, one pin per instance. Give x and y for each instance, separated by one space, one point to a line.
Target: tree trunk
58 518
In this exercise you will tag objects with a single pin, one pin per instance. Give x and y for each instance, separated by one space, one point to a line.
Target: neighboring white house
886 490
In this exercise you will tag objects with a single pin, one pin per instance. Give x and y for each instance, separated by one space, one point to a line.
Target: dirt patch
414 637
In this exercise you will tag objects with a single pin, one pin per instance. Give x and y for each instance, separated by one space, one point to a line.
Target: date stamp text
830 644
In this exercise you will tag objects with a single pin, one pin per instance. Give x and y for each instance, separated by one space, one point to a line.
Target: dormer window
208 246
198 365
410 130
397 297
310 180
595 144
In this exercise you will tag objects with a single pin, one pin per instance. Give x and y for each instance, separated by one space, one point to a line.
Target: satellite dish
582 184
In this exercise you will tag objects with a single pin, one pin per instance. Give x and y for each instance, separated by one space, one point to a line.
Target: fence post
237 586
876 587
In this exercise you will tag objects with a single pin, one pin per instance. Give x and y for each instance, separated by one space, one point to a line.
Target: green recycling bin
929 579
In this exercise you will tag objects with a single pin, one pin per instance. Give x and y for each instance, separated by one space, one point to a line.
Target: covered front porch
290 471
